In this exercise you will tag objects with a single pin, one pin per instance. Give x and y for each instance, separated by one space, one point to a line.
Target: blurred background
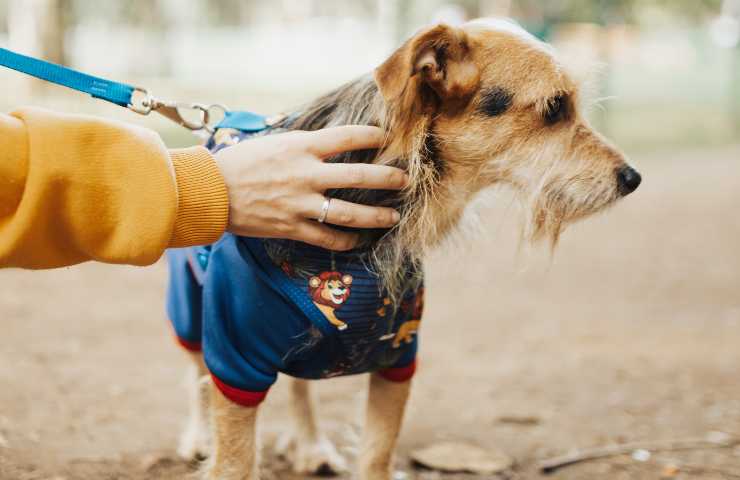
671 64
629 332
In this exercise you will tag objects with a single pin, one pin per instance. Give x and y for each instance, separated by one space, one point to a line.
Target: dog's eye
557 109
495 101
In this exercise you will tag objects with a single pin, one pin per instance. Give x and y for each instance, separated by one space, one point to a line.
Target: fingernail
406 179
396 216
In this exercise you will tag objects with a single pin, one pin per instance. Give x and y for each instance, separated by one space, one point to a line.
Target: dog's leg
385 407
194 441
308 448
235 453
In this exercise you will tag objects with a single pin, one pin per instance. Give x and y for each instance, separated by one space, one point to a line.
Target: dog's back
258 307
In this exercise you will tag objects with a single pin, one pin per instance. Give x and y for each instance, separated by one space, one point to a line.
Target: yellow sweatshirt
75 188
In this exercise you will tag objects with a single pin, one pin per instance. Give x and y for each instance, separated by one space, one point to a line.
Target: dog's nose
628 180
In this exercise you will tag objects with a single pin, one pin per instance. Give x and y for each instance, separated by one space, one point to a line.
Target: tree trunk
37 28
735 90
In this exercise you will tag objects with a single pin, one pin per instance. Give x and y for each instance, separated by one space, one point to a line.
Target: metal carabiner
213 120
206 117
172 110
141 105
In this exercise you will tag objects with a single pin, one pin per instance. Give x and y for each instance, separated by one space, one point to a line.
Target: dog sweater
254 319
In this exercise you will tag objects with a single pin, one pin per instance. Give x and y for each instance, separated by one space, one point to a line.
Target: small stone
153 460
400 475
669 471
641 455
461 457
3 441
720 438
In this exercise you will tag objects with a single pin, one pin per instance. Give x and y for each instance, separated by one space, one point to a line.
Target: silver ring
324 210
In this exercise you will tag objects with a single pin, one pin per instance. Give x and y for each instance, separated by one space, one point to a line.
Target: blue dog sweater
253 318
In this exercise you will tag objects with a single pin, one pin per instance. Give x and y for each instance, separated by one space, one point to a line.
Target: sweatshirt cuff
202 198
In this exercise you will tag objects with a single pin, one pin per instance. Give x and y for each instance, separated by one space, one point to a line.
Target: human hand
276 185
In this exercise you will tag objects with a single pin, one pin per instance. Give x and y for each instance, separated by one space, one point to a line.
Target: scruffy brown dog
466 109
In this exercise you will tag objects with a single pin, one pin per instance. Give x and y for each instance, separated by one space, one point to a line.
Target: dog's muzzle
628 179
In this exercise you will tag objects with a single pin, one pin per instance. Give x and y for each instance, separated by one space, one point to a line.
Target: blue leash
136 99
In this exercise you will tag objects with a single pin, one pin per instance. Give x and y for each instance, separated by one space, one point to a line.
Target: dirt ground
630 333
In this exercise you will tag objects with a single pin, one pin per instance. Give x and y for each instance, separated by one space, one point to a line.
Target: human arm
75 188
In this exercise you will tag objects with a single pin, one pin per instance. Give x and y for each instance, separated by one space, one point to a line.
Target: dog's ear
431 68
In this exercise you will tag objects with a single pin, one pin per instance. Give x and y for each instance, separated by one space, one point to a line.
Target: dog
466 109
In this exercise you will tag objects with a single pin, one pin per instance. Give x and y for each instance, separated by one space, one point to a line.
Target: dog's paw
312 457
193 445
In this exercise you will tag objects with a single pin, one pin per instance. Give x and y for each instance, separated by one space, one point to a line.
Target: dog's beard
561 201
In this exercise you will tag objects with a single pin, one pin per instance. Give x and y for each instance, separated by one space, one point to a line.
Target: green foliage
609 11
4 17
537 13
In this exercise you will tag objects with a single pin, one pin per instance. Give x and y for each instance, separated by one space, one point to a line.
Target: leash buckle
141 101
193 116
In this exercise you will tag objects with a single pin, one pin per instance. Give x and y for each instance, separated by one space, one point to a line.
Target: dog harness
253 318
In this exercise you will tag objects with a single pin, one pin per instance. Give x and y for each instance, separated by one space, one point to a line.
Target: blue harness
252 318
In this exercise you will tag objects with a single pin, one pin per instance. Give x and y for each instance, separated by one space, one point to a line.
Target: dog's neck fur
427 212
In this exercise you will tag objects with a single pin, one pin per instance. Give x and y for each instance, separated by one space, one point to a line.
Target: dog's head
486 104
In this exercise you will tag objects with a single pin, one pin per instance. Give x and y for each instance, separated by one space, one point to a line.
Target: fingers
322 236
361 175
354 215
334 140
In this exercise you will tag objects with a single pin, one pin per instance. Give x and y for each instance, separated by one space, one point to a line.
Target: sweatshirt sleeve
75 188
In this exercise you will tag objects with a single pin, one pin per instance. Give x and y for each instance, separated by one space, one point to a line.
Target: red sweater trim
245 398
188 345
399 374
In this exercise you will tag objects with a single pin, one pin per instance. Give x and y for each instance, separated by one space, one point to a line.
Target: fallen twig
548 466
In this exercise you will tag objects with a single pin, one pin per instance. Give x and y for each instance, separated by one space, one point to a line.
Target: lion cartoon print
411 327
329 291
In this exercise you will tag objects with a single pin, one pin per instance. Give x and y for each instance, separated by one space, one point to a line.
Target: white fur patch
511 27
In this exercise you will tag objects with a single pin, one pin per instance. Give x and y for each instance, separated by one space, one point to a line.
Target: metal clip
172 111
206 118
141 104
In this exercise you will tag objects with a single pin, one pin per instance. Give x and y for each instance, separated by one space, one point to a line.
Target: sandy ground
630 333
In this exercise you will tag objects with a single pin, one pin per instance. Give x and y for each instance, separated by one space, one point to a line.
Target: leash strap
114 92
123 95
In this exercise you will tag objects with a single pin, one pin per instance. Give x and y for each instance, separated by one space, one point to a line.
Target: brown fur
465 109
428 96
